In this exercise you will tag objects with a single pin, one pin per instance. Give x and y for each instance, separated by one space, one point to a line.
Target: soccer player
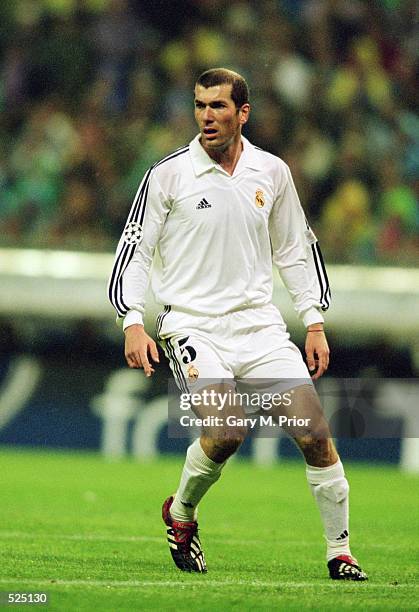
220 211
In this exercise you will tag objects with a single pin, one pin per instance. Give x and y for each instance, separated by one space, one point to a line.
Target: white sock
199 473
331 491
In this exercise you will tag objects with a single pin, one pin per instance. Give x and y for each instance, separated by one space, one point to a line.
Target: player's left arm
296 254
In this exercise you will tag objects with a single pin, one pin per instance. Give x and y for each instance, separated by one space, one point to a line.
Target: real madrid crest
193 374
260 198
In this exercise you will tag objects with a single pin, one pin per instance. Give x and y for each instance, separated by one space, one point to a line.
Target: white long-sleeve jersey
217 236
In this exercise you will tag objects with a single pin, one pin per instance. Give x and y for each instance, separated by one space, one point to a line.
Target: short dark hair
221 76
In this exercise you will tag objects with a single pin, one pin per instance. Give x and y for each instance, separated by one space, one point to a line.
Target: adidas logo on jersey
203 204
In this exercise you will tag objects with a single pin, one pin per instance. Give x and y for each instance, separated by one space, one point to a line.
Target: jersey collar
202 162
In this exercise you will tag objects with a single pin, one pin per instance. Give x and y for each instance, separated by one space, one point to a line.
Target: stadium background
91 93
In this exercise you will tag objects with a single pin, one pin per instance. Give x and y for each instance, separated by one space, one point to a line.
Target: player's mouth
210 133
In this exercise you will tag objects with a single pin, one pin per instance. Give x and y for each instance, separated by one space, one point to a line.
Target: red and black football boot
184 543
345 567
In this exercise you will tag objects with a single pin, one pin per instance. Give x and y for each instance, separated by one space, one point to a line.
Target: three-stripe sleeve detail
115 285
128 250
325 294
137 213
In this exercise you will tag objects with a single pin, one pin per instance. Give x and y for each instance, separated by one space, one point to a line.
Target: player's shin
199 473
331 491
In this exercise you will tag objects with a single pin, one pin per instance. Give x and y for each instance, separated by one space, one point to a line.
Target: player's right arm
129 279
139 348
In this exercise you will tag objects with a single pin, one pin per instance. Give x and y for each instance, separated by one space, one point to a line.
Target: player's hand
138 347
317 351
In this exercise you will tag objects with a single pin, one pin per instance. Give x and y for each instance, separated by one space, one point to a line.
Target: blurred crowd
92 92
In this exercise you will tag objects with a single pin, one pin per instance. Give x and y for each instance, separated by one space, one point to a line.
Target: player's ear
244 112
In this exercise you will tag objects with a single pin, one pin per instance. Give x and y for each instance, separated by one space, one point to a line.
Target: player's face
217 116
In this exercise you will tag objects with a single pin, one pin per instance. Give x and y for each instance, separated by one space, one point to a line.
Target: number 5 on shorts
188 353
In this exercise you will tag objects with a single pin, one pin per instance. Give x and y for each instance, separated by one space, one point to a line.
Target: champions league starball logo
133 233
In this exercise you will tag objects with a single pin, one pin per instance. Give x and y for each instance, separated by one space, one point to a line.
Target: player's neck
229 157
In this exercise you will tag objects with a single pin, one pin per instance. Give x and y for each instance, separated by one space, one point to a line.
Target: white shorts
249 343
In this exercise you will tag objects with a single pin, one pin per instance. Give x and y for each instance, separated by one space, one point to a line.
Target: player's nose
207 114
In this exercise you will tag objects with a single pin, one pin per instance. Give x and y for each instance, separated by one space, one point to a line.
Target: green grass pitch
89 533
